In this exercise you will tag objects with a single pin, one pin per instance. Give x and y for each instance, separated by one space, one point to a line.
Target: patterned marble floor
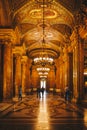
49 112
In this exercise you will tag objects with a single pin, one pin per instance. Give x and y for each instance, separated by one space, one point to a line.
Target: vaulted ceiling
38 21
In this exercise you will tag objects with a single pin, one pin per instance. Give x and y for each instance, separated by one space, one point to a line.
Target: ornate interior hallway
49 112
43 44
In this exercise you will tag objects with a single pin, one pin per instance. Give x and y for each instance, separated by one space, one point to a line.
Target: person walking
42 90
38 92
67 94
20 92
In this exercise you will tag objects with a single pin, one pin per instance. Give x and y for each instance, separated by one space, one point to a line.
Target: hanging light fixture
43 76
41 69
43 73
43 59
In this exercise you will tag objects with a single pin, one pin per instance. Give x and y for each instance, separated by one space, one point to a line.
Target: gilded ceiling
48 21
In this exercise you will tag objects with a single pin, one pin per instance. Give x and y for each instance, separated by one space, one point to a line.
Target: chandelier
43 76
43 72
41 69
43 61
44 58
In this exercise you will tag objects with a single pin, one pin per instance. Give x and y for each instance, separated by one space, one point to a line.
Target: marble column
80 71
14 73
28 76
70 71
1 71
51 79
7 72
17 73
23 78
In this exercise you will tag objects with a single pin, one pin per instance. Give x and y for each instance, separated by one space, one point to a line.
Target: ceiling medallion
44 1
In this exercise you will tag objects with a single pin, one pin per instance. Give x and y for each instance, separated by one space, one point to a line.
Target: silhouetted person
67 94
42 90
38 92
32 91
20 92
54 91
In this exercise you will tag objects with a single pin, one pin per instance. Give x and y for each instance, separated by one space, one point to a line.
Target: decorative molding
19 50
8 35
24 59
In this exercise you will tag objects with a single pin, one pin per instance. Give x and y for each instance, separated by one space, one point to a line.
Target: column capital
17 56
24 59
18 50
7 35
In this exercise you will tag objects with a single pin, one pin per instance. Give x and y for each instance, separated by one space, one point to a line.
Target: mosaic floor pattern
49 112
56 108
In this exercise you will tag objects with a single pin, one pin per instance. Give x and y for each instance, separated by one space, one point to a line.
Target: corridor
49 112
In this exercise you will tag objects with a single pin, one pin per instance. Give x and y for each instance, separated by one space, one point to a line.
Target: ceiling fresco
48 21
32 13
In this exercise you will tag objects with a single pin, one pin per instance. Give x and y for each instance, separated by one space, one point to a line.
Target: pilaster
78 64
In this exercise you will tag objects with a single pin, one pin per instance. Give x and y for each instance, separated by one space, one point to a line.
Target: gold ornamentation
44 1
38 13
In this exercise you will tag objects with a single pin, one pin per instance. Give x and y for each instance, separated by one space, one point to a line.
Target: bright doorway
43 83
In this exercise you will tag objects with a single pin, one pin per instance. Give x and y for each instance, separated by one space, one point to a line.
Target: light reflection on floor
85 117
43 118
48 113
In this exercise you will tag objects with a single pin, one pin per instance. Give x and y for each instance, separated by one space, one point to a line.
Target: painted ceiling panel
32 13
43 21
